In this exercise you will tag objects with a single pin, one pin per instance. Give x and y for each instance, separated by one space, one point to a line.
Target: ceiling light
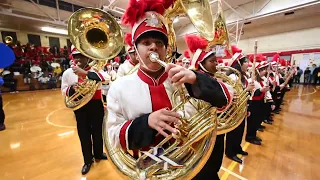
54 30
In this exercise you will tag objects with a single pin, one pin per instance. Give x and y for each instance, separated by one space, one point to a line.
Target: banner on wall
305 60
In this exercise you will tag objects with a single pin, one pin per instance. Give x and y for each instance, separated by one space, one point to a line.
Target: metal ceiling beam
35 4
189 29
59 23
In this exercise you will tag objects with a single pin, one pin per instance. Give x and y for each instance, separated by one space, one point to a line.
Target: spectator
316 75
2 115
314 66
52 83
307 73
43 81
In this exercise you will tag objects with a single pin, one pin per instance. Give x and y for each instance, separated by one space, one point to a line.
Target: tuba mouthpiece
154 57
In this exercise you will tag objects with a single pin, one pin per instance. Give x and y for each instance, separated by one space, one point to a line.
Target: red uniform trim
227 94
122 136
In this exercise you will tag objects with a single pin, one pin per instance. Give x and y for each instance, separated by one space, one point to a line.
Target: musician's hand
77 70
265 89
273 107
248 114
250 87
179 75
75 87
160 120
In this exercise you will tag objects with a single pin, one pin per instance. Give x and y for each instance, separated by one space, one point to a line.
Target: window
34 39
77 7
53 41
4 34
65 6
50 3
69 44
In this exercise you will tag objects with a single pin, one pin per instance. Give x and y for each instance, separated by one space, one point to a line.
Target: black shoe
254 141
2 127
258 139
267 122
263 127
236 159
103 156
243 153
260 129
86 168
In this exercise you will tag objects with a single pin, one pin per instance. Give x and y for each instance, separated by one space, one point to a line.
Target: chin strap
205 70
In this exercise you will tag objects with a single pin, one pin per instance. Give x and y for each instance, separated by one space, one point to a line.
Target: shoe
260 129
236 159
2 127
103 156
257 138
243 153
263 127
254 141
86 168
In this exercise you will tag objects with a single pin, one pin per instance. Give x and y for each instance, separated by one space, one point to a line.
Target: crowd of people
40 67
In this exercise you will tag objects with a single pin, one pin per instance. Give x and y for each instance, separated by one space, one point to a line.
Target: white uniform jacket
132 98
69 78
125 68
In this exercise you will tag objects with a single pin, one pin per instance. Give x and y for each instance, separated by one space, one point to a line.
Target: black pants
234 139
89 123
267 110
255 118
2 115
211 168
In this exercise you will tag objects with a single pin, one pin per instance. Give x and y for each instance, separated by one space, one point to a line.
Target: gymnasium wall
22 36
294 40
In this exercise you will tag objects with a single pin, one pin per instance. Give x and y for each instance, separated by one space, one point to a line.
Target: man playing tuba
139 104
90 116
204 61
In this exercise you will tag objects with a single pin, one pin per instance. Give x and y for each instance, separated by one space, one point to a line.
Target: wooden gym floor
41 141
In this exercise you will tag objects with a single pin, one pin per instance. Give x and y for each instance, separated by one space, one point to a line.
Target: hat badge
154 21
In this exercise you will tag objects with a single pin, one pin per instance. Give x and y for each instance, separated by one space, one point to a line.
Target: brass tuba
8 40
193 145
199 12
233 116
97 35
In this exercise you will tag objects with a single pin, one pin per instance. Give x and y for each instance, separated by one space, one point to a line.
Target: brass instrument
233 116
194 143
8 40
199 12
192 146
98 36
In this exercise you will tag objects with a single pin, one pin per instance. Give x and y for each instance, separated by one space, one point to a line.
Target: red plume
275 58
128 39
186 54
219 60
117 59
134 11
283 62
137 8
258 58
234 49
195 42
226 63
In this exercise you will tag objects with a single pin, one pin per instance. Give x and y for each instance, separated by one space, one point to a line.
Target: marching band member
206 62
269 105
89 117
135 117
234 137
131 62
256 103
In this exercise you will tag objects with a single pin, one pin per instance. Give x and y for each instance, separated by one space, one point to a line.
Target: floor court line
233 164
57 125
234 174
